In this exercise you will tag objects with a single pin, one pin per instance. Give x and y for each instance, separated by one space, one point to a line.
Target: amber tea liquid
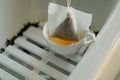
61 41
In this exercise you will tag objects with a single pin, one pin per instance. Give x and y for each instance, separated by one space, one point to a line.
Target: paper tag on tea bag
67 23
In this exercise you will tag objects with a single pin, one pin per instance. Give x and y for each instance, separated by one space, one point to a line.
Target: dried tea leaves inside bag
66 29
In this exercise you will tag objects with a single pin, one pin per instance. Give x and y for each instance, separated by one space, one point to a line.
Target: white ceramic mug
68 49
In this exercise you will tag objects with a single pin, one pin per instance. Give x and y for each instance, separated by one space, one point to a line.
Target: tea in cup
65 46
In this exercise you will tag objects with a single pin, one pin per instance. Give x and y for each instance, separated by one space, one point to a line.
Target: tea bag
67 22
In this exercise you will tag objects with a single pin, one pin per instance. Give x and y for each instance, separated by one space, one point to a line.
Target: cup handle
90 36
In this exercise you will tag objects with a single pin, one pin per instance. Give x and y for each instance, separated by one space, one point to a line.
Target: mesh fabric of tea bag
67 22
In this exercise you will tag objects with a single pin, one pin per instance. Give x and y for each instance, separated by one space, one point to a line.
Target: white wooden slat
36 35
44 54
75 58
35 63
6 76
19 68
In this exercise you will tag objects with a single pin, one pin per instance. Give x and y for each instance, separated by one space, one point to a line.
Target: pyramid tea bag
67 23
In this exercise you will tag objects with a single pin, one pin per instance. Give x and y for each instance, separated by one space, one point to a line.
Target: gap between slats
40 66
6 76
22 42
19 68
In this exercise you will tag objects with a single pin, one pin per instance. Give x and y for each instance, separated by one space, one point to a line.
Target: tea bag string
68 3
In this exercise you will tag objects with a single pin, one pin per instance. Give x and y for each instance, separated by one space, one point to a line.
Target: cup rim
46 37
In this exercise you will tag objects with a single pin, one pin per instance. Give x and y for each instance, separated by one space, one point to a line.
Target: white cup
68 49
